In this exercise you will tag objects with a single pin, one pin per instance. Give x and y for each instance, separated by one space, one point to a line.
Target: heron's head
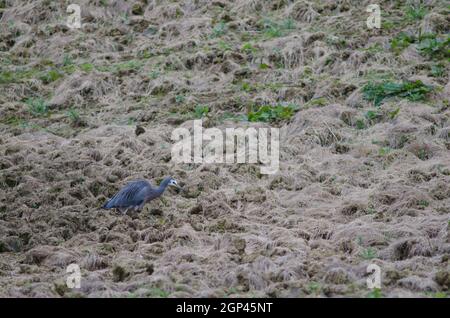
174 183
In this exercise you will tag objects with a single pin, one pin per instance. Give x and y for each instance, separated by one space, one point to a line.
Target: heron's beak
179 189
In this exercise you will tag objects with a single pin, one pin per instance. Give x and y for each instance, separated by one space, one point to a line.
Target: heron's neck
163 186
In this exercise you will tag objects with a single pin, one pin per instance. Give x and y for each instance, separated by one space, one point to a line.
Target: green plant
429 45
394 113
37 106
67 60
439 295
413 91
127 66
201 111
384 151
314 288
437 70
247 87
248 48
179 99
12 120
86 67
154 74
288 24
219 30
375 293
368 253
157 292
416 13
50 76
320 101
272 29
360 124
372 115
422 152
401 41
75 118
233 117
268 113
224 46
434 47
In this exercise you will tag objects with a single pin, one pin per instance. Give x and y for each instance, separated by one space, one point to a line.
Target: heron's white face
174 183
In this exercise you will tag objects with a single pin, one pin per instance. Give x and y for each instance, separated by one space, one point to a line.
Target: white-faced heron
136 194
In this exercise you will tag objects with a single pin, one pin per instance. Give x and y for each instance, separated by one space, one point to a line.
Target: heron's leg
124 210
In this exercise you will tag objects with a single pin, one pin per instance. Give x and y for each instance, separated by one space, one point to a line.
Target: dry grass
359 183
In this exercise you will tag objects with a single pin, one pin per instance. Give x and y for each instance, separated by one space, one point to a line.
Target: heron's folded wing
130 194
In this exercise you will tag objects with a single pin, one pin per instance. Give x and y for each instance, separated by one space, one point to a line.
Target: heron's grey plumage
136 194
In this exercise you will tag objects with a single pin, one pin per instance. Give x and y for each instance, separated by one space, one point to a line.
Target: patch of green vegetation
50 76
154 74
12 121
437 70
247 87
373 115
368 253
393 114
219 29
433 47
201 111
86 67
423 153
371 210
429 45
413 91
248 48
179 99
145 54
441 294
314 288
272 29
374 48
375 293
415 13
157 292
231 291
423 203
263 66
360 124
268 113
387 24
401 41
224 46
75 118
233 117
127 66
320 101
37 106
379 75
131 121
67 60
7 77
384 151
